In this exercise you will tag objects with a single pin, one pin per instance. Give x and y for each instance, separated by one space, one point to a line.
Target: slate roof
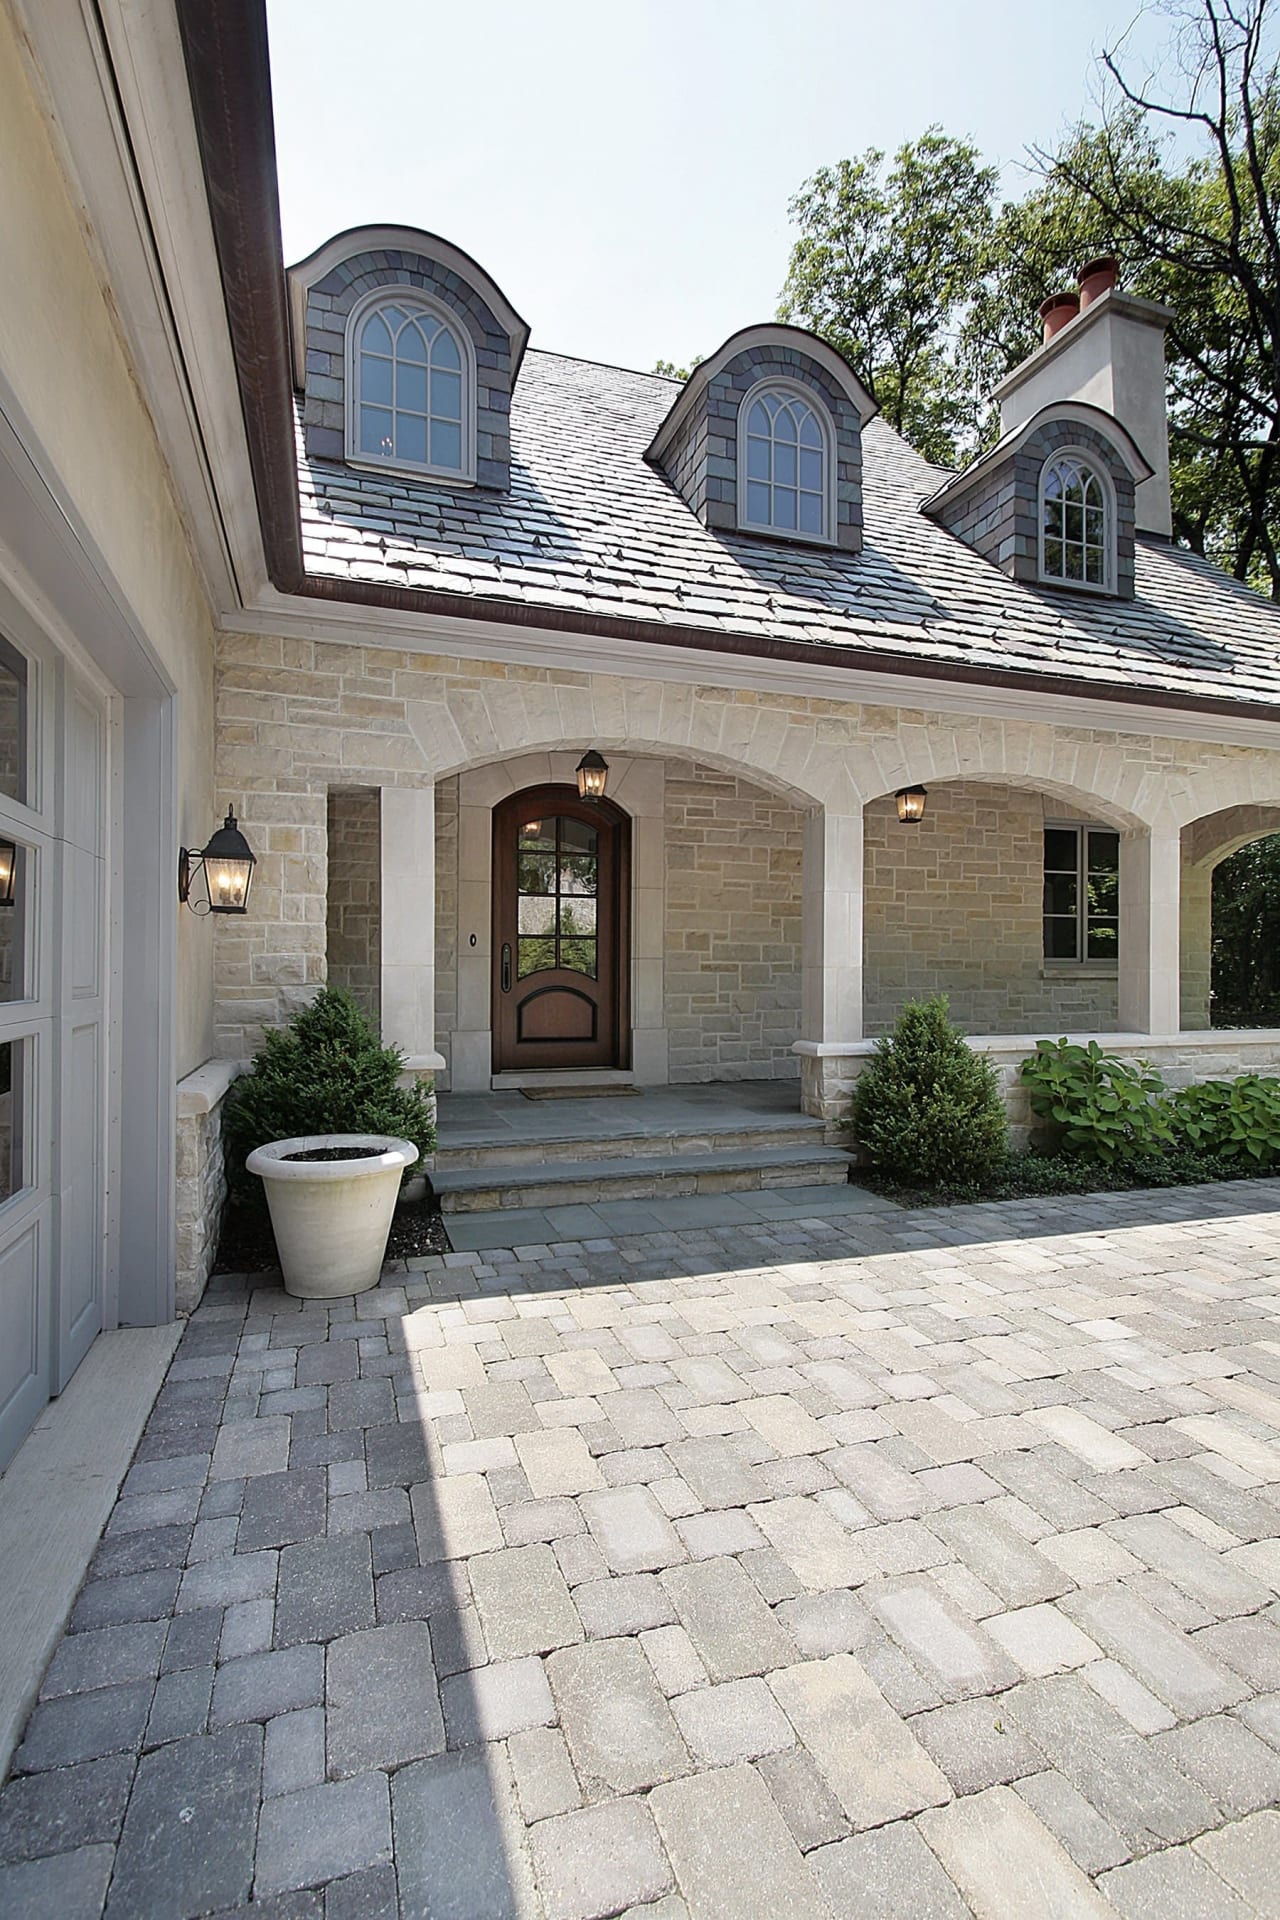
589 526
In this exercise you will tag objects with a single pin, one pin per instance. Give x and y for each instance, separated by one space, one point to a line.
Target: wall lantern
227 864
911 801
593 775
8 870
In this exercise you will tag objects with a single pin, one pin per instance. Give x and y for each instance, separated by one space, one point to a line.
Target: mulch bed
247 1244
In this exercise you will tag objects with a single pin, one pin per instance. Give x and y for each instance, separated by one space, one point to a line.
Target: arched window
410 387
1076 523
784 464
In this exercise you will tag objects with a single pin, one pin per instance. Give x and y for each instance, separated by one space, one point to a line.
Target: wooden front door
559 935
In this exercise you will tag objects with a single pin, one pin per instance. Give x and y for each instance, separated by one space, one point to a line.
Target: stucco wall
353 922
62 353
732 949
953 905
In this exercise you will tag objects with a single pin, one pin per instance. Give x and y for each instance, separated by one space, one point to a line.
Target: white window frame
1081 458
792 390
412 300
1082 959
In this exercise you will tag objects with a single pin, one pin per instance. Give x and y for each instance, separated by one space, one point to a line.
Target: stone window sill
1079 970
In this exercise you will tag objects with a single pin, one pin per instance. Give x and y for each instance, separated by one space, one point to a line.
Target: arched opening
1231 919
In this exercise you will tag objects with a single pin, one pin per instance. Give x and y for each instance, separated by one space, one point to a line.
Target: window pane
1104 939
757 458
13 722
578 836
758 422
446 445
537 914
810 432
411 387
1104 852
1074 567
810 513
374 337
1074 521
1060 893
784 462
578 873
1053 557
536 873
12 1146
411 438
411 344
1095 567
579 956
757 503
1103 895
811 470
538 834
375 432
445 353
1060 850
1059 939
446 395
15 860
577 915
784 508
375 379
535 956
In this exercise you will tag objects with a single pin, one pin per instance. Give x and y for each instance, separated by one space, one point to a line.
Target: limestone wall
353 927
201 1176
953 904
732 949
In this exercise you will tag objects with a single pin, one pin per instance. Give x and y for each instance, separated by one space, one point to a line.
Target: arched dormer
405 352
765 438
1053 501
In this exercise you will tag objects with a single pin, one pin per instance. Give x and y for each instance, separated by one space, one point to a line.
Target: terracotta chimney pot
1098 277
1056 311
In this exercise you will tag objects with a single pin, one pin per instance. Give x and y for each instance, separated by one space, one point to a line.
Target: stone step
791 1133
642 1177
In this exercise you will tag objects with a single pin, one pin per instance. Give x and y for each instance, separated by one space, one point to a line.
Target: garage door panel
25 1383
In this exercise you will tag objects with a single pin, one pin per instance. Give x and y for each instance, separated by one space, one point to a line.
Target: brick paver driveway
905 1566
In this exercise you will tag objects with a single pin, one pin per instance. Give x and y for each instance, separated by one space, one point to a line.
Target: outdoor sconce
911 802
593 775
8 869
227 864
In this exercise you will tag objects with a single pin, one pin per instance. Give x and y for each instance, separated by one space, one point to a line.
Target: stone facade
732 948
953 905
329 305
1000 514
702 461
201 1176
447 933
353 925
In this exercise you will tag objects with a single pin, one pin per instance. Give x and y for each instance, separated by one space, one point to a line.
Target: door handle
506 969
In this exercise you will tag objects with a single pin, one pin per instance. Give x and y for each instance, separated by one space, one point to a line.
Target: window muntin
1075 523
410 401
784 464
1081 893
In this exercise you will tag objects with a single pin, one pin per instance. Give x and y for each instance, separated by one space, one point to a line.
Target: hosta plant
1098 1105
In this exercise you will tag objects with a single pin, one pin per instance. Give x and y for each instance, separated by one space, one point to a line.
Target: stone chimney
1111 355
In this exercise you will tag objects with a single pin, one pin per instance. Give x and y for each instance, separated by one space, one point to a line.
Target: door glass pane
557 879
536 956
14 867
13 723
577 916
12 1156
537 914
579 956
578 873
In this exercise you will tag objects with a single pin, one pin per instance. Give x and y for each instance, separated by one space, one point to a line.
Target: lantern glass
593 775
911 803
8 871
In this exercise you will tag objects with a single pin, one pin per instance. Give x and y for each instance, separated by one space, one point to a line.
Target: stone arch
1208 841
1084 774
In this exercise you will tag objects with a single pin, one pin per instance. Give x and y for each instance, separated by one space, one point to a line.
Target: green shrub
325 1073
1099 1106
927 1109
1232 1119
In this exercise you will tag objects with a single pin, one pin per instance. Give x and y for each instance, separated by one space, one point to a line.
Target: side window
784 464
410 386
1077 533
1081 893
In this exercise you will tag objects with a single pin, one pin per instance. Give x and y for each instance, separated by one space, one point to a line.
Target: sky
623 171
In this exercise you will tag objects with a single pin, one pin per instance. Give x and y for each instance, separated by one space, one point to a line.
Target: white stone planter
331 1218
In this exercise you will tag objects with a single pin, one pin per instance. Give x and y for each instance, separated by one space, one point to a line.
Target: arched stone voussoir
1210 839
1089 776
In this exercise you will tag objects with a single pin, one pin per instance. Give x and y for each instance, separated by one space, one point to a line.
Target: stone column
409 924
1150 879
831 955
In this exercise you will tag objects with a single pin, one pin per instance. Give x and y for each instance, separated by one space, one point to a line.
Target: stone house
339 547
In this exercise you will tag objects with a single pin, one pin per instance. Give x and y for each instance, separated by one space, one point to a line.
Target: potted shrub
324 1124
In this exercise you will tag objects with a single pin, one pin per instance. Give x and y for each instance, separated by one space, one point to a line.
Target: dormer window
1077 523
784 451
411 387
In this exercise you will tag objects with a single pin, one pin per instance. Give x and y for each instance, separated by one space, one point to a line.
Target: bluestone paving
826 1563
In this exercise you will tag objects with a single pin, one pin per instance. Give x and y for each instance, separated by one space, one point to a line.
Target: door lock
506 969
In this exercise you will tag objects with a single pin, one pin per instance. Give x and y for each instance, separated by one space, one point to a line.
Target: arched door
560 869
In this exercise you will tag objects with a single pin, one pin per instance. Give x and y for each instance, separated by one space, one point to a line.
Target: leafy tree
883 266
1246 936
671 371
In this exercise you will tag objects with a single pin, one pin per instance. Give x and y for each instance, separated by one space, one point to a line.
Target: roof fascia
769 333
1077 412
303 275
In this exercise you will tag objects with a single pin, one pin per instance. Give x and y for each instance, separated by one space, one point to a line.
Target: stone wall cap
205 1087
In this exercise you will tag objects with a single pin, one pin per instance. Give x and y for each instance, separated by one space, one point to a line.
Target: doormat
576 1093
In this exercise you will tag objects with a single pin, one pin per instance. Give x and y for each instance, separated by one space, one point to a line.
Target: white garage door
53 1063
